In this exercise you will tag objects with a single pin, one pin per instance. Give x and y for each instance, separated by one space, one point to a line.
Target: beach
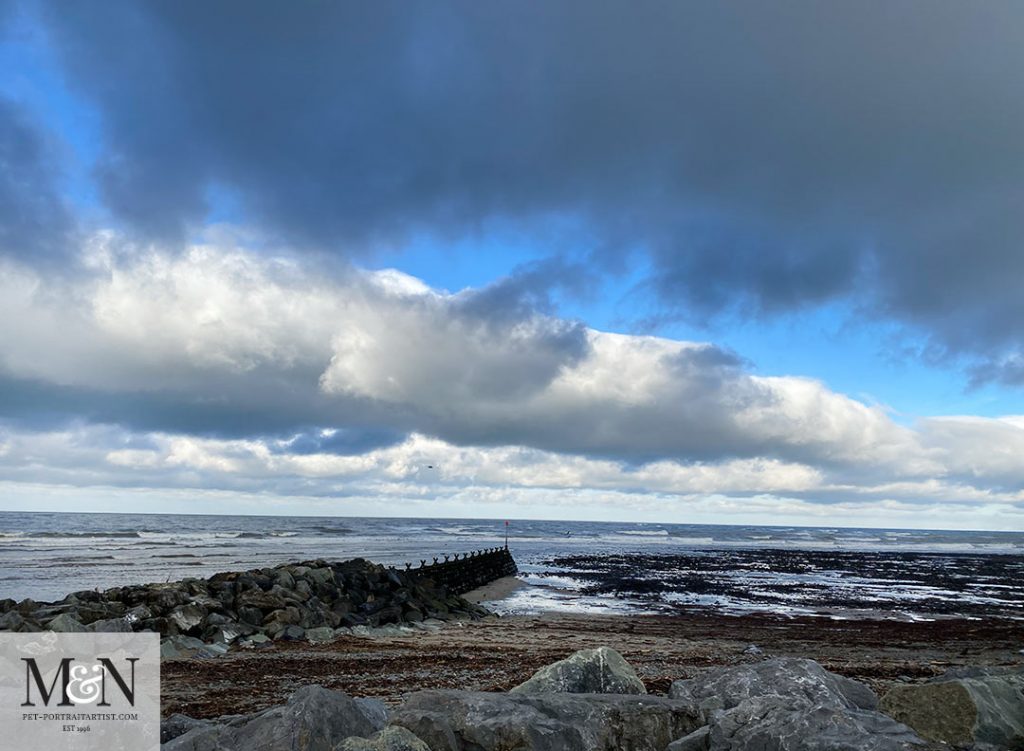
497 653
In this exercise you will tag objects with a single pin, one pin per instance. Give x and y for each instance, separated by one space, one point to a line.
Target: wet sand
494 654
498 589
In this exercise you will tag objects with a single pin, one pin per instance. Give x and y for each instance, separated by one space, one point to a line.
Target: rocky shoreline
314 601
594 701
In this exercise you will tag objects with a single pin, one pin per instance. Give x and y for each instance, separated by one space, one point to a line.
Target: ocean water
570 566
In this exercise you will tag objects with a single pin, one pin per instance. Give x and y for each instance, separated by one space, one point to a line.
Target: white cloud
498 397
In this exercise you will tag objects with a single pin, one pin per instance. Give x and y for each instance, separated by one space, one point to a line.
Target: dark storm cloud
768 156
33 220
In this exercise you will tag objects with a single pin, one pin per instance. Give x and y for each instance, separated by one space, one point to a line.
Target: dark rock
252 616
257 598
12 620
111 625
698 740
314 719
179 724
477 721
165 598
589 671
66 624
290 633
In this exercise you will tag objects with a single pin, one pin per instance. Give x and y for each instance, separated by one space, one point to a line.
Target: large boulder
179 724
589 671
774 723
65 623
478 721
787 704
393 738
788 677
313 719
986 707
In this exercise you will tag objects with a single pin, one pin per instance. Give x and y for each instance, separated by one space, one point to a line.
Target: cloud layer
764 157
217 368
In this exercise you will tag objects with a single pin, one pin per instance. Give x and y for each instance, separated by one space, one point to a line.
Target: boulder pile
593 701
310 600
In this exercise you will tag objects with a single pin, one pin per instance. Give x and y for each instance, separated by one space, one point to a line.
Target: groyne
460 573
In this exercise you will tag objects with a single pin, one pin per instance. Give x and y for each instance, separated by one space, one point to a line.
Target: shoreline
496 653
495 591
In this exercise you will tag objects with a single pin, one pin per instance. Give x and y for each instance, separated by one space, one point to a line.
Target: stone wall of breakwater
283 602
461 573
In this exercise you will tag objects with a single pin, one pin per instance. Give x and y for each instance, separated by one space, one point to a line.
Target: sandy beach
494 654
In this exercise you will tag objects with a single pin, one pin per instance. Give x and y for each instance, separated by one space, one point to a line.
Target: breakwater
290 601
460 573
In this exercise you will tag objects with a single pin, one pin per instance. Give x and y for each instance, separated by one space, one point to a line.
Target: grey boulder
111 625
984 707
787 704
313 719
182 647
478 721
179 724
65 623
393 738
589 671
773 723
788 677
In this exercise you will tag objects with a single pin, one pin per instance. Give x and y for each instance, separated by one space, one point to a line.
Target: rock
753 651
478 721
111 625
321 634
589 671
256 598
64 623
179 724
393 738
696 741
314 719
183 647
12 620
787 704
227 633
256 640
291 633
187 617
986 708
776 723
789 677
166 597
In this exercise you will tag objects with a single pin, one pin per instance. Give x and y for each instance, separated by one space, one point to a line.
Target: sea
575 567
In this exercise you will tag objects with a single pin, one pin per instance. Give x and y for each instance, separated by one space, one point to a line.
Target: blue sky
759 263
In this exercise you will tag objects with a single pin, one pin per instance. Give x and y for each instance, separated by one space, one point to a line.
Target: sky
738 263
